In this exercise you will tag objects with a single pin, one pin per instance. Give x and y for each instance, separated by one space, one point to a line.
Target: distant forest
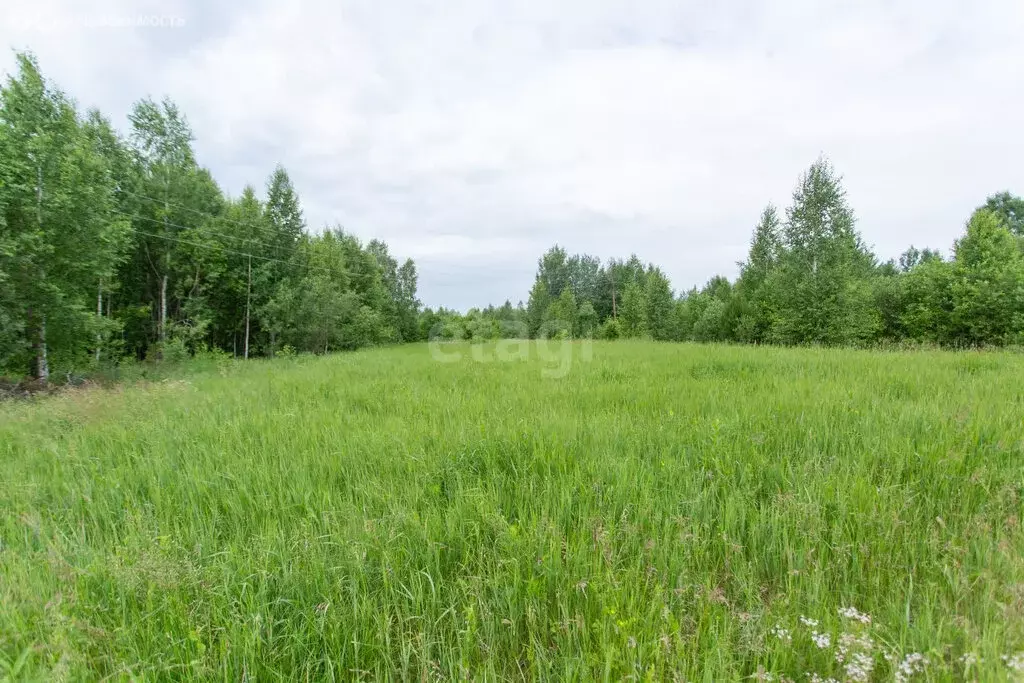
808 279
123 247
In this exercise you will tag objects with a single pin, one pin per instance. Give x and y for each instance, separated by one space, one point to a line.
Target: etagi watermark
63 21
552 346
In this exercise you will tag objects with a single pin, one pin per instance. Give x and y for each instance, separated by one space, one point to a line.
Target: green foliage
710 326
611 329
819 292
587 322
61 239
927 302
809 279
537 307
633 313
988 283
659 306
754 311
286 351
1010 211
111 246
174 350
561 316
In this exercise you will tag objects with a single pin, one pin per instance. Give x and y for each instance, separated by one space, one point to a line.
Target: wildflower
822 640
913 663
1015 662
860 666
969 659
807 621
853 614
815 678
850 643
782 634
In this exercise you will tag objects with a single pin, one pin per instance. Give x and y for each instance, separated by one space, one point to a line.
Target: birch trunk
42 363
248 297
99 314
163 309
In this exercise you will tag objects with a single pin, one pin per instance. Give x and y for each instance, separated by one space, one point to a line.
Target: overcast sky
471 136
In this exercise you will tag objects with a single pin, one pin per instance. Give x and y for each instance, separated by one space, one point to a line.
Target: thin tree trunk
42 363
99 314
248 297
42 369
163 308
167 265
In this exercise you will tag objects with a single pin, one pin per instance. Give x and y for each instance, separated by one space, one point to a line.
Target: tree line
809 278
118 246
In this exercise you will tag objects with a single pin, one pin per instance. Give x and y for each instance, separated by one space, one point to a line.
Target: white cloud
473 135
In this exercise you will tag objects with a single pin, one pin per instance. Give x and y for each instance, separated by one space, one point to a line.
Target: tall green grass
661 512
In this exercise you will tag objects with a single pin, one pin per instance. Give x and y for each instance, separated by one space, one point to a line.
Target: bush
610 329
214 359
170 351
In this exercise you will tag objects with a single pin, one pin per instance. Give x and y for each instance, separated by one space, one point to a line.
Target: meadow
646 512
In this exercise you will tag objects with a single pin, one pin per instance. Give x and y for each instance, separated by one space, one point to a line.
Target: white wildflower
815 678
782 634
850 643
807 621
969 659
860 667
1015 662
853 614
822 640
913 663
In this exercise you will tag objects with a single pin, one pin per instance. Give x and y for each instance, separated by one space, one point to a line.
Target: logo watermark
63 21
556 350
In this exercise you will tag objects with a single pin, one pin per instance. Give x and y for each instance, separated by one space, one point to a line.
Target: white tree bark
163 309
99 314
42 363
248 296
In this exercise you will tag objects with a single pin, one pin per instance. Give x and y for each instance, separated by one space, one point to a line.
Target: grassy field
661 512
